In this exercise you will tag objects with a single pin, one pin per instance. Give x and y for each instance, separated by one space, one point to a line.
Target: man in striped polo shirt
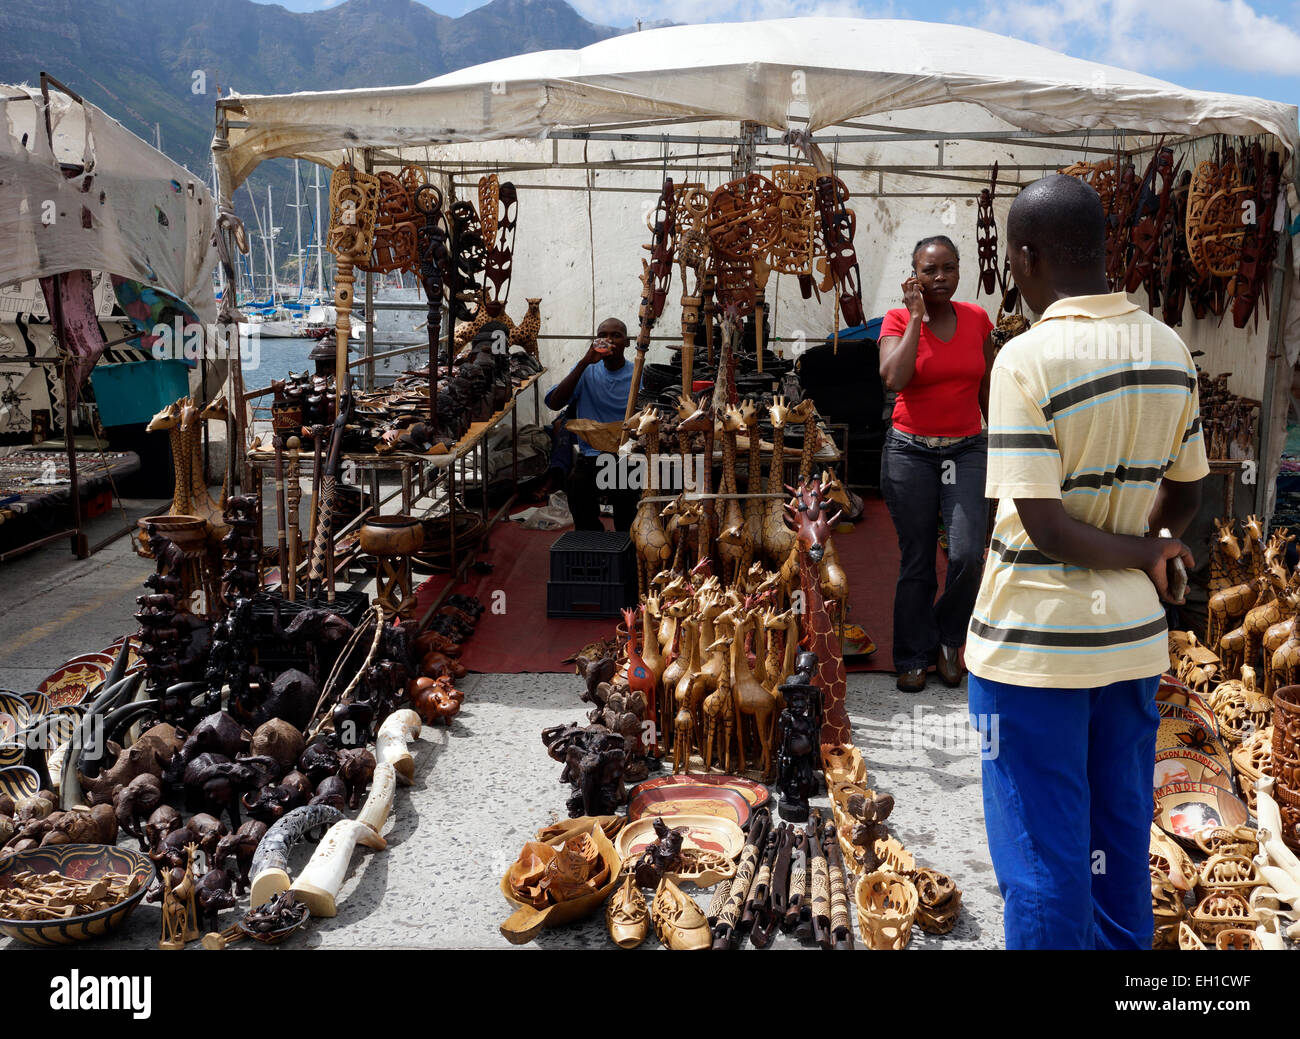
1094 442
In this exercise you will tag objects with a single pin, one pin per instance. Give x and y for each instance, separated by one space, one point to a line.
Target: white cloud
1153 37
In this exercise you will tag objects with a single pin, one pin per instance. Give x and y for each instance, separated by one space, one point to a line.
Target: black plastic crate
577 599
594 557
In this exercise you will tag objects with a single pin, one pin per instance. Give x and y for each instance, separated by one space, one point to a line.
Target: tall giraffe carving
812 526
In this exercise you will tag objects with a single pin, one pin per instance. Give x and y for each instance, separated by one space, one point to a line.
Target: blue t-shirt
601 395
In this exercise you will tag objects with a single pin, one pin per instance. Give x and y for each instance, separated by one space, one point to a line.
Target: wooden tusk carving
374 813
319 885
390 745
1269 817
270 867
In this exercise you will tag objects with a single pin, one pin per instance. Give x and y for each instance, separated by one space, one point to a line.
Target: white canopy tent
912 115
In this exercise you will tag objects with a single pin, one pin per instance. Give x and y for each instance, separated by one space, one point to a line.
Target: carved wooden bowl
188 533
83 861
392 535
19 781
275 937
1237 938
886 904
526 922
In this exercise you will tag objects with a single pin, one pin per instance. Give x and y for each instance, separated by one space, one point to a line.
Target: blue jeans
918 483
1067 806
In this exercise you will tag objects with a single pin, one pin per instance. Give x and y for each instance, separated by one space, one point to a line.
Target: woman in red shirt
935 353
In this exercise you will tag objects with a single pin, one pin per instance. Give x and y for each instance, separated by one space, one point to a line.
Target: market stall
97 226
776 174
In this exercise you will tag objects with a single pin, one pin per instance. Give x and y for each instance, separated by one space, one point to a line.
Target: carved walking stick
655 276
294 497
821 883
325 510
433 255
354 201
724 930
281 541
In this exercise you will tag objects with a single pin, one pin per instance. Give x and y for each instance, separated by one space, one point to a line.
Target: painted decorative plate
1194 710
19 781
1191 734
15 713
727 797
1185 809
703 832
39 704
70 683
1183 765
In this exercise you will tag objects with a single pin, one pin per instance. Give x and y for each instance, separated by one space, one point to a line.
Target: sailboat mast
320 244
297 221
270 242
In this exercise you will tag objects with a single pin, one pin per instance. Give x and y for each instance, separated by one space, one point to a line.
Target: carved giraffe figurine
1285 662
776 536
169 419
1231 603
213 511
679 651
752 699
715 621
681 516
651 649
1257 622
717 708
648 535
733 550
806 412
812 526
1226 567
1237 602
683 737
690 671
753 508
641 679
672 588
1277 634
703 420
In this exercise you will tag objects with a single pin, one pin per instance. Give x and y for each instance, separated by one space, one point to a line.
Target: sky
1232 46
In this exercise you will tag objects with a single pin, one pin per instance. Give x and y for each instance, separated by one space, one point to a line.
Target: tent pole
369 158
1274 375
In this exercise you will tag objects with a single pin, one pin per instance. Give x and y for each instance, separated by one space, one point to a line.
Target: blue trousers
919 483
1067 804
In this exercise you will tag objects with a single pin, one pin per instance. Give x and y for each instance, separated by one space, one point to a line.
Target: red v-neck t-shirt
943 398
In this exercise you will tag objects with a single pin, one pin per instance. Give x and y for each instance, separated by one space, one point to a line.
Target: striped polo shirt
1093 406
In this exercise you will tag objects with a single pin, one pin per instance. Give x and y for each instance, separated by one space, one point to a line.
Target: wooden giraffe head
833 490
167 419
748 413
803 411
1254 529
700 420
642 423
218 409
732 420
703 570
808 516
1227 539
189 413
629 618
778 412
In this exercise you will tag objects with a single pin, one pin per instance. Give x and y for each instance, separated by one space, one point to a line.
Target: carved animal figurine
735 550
661 857
179 916
683 737
776 537
1285 664
812 527
647 531
752 699
685 517
525 333
1226 567
1263 616
640 678
135 803
754 508
653 654
719 712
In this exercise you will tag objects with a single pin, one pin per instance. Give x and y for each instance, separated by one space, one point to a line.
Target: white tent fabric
131 212
827 69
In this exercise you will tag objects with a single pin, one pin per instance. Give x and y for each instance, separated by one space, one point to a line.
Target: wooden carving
500 251
1215 224
837 227
986 237
791 252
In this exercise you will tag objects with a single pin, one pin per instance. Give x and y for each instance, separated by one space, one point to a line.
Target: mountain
160 63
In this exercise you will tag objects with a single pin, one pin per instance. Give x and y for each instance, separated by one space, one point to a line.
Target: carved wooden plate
19 781
15 713
1183 765
1184 809
727 797
70 683
1194 710
1191 734
704 832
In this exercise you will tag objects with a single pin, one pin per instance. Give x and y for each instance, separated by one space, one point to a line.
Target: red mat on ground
519 637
